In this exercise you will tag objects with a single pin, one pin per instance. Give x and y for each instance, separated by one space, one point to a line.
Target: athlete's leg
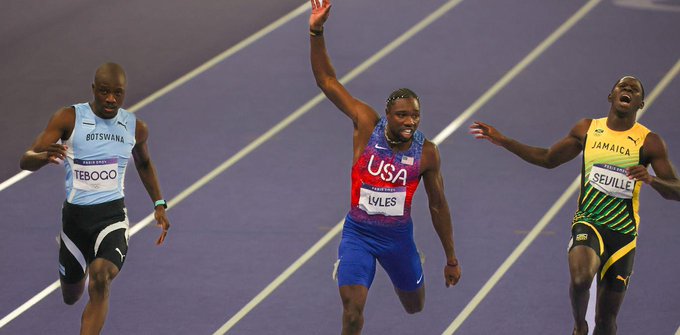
72 275
583 266
353 302
72 292
609 302
413 301
102 272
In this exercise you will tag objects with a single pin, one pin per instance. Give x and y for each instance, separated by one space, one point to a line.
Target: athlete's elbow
24 164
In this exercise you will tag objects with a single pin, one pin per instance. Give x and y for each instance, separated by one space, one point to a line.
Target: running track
232 237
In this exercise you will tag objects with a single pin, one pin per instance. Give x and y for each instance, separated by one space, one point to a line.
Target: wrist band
160 203
454 264
315 33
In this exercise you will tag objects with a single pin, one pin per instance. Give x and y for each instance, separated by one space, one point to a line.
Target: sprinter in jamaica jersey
616 154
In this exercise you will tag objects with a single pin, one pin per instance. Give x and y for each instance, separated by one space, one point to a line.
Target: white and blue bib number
612 180
388 201
95 175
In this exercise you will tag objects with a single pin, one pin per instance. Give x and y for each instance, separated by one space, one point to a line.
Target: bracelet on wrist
161 202
315 33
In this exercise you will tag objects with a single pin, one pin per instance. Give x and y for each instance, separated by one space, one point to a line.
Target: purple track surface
235 235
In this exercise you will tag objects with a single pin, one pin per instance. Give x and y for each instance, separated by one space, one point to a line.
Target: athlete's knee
71 293
581 280
353 318
101 276
414 301
581 283
414 306
71 299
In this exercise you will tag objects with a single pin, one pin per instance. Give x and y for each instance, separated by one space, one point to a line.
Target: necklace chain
391 141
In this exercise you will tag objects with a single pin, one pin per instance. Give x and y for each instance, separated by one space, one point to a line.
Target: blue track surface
233 236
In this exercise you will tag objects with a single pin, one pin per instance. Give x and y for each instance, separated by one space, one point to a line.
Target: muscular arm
363 116
666 181
45 148
439 210
147 173
559 153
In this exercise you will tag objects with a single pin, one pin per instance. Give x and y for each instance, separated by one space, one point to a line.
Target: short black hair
638 80
401 93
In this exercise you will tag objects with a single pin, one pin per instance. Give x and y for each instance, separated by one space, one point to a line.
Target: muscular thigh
90 232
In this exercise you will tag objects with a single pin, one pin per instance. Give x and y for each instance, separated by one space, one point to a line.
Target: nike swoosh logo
381 148
419 279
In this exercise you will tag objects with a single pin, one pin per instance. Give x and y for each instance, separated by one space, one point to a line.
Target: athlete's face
403 118
109 94
626 96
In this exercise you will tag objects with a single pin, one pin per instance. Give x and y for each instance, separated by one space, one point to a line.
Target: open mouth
625 98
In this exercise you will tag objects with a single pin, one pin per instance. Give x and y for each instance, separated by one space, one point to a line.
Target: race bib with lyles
95 175
611 180
388 201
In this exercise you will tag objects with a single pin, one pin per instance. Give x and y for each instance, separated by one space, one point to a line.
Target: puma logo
634 141
624 280
122 257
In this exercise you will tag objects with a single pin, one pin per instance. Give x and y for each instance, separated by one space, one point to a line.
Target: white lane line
199 70
15 179
194 73
573 187
677 332
499 85
338 227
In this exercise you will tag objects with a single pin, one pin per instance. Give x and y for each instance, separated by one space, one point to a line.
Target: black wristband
315 33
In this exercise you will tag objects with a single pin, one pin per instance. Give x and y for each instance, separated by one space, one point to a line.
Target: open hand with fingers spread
319 15
484 131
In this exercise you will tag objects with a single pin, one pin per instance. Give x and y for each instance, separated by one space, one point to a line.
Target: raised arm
439 210
559 153
666 181
45 149
325 74
147 173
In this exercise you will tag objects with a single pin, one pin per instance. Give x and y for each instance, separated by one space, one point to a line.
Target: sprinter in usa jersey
390 158
616 153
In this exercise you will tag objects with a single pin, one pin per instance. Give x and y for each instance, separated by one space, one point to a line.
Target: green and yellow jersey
608 198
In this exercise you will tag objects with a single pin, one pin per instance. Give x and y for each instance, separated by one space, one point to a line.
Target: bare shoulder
581 127
654 146
63 121
367 117
430 157
141 131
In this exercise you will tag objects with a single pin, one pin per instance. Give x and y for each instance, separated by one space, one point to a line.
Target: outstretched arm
666 180
439 210
45 149
325 74
559 153
147 173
